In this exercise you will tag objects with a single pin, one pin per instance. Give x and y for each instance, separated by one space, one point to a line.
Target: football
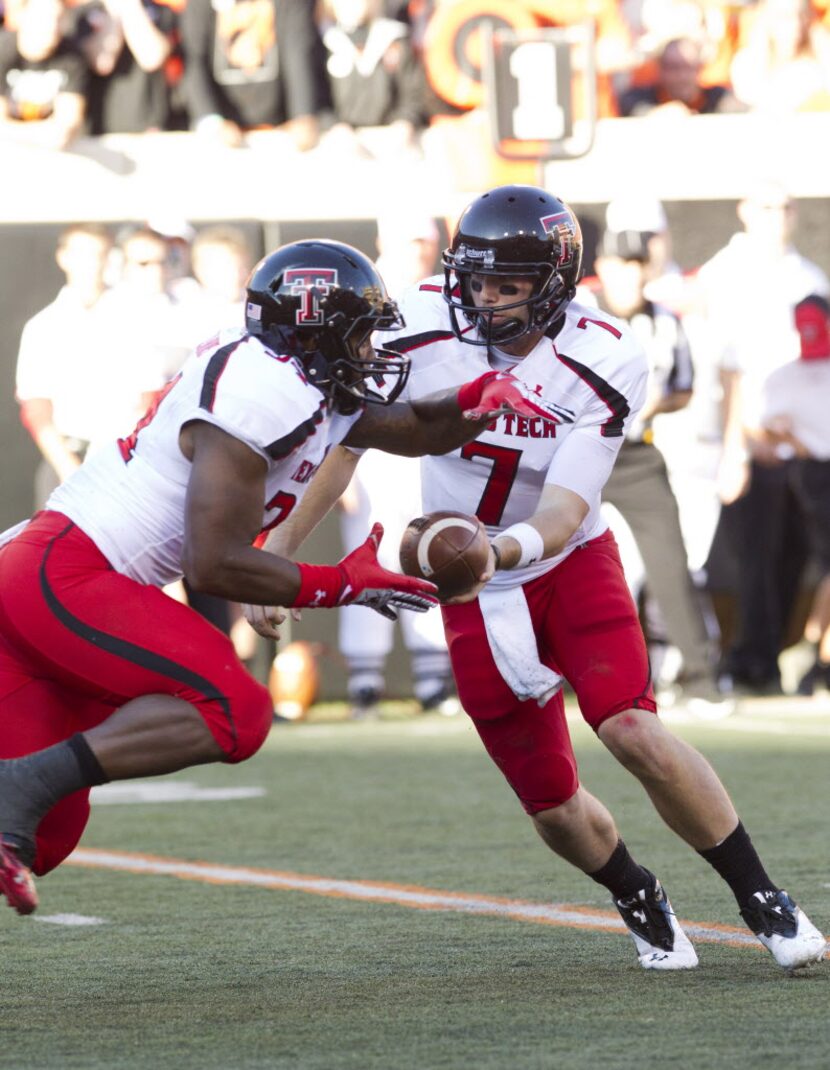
294 680
449 549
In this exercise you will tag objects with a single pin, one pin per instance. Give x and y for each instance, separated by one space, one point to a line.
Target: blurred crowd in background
721 495
369 76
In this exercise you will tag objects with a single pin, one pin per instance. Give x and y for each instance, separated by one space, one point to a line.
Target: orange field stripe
411 896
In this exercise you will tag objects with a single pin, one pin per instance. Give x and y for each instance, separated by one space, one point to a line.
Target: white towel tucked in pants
513 645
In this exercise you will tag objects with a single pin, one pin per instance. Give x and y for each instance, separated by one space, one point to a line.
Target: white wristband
530 541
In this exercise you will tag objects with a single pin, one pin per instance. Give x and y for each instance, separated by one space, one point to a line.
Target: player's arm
435 426
443 421
223 513
223 516
323 492
329 482
546 533
578 472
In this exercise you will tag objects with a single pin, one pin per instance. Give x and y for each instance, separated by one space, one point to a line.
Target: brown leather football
450 549
294 679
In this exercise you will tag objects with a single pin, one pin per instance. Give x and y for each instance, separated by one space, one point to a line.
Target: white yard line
398 894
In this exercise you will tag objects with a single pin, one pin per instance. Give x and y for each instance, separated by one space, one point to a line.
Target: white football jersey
592 372
129 497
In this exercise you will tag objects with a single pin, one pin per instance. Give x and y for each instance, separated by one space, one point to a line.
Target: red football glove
496 392
359 580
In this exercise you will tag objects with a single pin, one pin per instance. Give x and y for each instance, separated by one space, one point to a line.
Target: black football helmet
320 300
513 230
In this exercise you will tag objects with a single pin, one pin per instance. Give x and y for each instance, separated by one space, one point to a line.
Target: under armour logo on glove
495 393
359 580
369 584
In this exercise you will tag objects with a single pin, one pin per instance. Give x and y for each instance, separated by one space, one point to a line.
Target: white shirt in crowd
799 393
78 358
749 296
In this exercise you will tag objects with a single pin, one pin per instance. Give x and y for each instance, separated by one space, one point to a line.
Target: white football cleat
784 929
661 943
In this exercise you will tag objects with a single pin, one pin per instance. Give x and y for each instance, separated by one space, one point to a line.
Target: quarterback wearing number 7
552 602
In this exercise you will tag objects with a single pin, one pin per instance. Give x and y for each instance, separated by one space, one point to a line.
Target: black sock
737 861
621 875
31 786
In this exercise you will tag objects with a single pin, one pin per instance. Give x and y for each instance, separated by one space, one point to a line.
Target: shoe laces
771 913
647 913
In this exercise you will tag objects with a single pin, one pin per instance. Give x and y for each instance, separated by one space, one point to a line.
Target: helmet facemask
344 376
544 305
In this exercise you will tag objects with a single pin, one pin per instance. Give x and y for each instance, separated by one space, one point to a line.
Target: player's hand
366 583
473 592
495 393
265 620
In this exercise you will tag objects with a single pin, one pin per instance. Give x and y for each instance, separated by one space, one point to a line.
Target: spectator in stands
785 64
178 235
639 486
415 13
222 259
378 86
794 421
692 468
126 43
44 79
408 244
75 386
677 88
714 24
644 213
388 488
747 295
160 335
252 64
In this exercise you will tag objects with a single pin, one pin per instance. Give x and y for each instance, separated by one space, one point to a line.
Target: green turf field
206 973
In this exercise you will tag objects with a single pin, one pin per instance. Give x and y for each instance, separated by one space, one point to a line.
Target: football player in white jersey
102 676
557 604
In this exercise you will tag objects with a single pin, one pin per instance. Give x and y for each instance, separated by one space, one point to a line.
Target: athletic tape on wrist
531 542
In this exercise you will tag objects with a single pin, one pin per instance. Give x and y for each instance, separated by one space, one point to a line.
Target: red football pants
587 630
78 640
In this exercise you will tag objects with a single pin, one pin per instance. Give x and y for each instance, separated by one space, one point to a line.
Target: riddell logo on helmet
487 257
310 285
